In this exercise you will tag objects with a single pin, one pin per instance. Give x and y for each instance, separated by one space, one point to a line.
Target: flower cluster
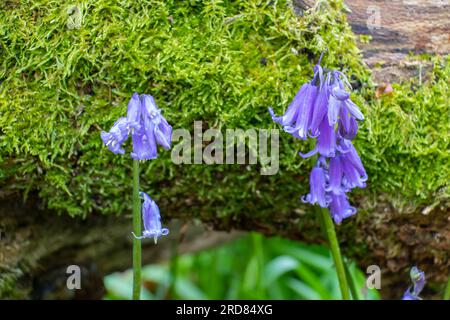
322 110
148 128
418 280
145 124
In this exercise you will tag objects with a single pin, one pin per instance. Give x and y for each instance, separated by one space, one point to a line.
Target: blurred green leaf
303 290
278 267
252 267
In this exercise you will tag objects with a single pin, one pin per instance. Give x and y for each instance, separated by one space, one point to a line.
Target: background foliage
252 267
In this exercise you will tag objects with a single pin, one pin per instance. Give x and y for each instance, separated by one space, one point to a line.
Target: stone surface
398 28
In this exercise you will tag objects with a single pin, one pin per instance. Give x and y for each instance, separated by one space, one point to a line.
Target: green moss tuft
405 140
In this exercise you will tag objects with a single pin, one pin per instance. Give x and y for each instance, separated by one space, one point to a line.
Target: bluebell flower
418 279
147 127
162 130
144 146
304 104
340 98
297 117
348 126
340 208
318 187
322 110
300 113
116 136
352 176
351 156
152 220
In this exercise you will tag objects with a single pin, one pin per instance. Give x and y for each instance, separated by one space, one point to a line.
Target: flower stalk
322 110
137 249
335 252
148 128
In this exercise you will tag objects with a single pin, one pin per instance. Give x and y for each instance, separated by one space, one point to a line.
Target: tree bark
397 28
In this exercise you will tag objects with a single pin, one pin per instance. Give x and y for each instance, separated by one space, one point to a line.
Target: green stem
336 252
447 290
174 271
137 232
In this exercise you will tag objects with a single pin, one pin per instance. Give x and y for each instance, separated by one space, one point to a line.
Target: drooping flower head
318 187
162 130
152 220
147 127
299 115
116 136
418 280
322 110
340 208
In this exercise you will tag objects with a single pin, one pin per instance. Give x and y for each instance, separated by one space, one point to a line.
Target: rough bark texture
398 28
36 246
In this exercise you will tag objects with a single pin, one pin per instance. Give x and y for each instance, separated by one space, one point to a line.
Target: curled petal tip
309 154
136 237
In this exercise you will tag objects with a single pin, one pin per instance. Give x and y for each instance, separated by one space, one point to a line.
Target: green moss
9 286
202 60
405 140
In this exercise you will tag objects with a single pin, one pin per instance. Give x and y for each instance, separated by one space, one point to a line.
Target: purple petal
318 72
304 103
353 157
157 129
144 146
354 179
134 112
317 188
305 113
339 93
149 107
326 142
152 219
116 136
333 109
309 154
409 296
163 133
320 109
290 116
354 110
336 173
418 278
112 144
348 127
340 207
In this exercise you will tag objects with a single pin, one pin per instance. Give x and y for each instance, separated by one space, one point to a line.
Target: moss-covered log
67 72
